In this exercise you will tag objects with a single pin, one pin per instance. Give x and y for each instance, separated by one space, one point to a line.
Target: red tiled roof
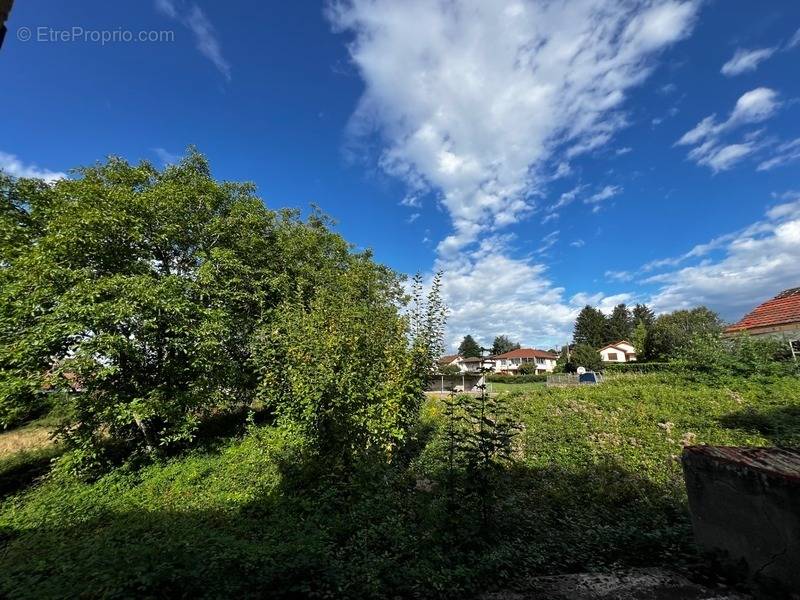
781 310
526 353
448 358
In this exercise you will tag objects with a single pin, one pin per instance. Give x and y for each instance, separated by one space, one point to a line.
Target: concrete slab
636 584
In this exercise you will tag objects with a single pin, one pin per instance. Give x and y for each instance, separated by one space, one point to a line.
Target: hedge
637 367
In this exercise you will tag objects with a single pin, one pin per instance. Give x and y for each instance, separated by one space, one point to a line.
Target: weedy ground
596 483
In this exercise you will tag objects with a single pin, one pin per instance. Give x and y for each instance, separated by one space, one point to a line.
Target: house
778 318
621 351
450 359
509 362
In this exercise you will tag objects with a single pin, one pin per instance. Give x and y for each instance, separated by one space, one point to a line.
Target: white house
510 362
453 359
621 351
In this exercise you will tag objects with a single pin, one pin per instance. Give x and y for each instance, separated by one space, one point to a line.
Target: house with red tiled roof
510 362
621 351
777 318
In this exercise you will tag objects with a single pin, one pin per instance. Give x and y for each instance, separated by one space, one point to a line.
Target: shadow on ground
382 532
780 424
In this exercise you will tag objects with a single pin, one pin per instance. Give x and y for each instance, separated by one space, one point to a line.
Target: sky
542 155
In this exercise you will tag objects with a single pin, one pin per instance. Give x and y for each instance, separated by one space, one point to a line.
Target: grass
597 485
515 387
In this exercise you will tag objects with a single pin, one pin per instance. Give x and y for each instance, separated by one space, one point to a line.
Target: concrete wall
745 507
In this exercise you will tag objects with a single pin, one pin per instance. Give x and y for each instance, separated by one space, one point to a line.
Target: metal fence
563 380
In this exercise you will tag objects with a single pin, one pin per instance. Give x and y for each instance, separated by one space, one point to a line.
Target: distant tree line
655 338
469 348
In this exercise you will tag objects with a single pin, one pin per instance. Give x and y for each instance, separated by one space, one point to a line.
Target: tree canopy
503 344
165 295
469 348
590 327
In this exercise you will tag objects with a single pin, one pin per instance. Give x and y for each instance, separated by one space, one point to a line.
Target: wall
605 352
745 507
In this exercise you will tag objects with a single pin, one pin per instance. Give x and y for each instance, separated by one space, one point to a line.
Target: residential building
450 359
778 318
510 362
618 352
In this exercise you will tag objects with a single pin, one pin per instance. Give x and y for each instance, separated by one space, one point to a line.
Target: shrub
638 367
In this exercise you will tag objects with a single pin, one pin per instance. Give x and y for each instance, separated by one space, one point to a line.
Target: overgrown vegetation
592 482
166 297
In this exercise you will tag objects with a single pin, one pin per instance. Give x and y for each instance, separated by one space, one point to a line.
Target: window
612 356
539 361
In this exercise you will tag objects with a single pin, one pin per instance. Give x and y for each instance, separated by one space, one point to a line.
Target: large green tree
672 332
469 348
619 325
590 327
587 357
154 291
644 314
503 344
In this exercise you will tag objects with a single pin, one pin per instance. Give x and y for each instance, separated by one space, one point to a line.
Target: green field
515 387
596 484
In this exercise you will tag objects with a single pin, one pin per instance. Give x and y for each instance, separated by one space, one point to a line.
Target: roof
781 310
448 358
616 345
526 353
471 359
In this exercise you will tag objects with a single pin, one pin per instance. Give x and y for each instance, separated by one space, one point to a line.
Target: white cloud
746 60
205 37
722 159
412 218
479 101
568 197
619 275
795 41
166 157
578 243
490 293
607 192
549 241
625 150
784 154
754 106
411 201
754 264
13 166
550 217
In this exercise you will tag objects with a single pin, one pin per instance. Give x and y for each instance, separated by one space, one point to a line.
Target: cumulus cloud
738 269
490 293
707 136
13 166
746 60
481 101
192 17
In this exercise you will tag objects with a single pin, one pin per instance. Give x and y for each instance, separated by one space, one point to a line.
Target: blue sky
544 155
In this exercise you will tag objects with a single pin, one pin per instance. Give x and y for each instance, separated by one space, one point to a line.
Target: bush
638 367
